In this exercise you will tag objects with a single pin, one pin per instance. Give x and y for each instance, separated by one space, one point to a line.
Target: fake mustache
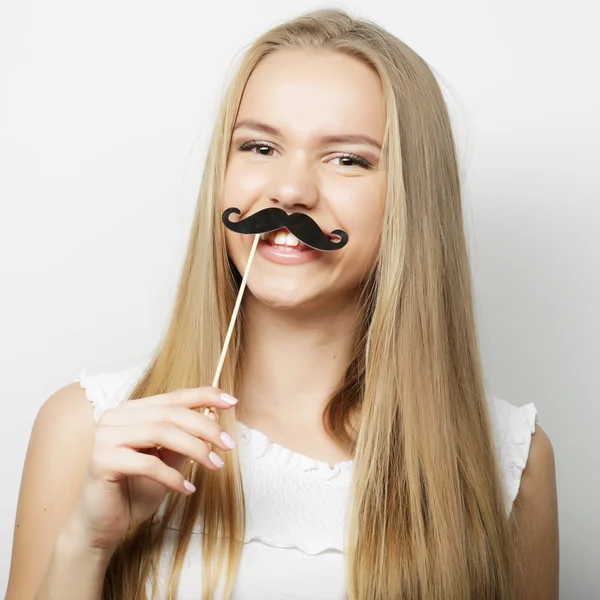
300 224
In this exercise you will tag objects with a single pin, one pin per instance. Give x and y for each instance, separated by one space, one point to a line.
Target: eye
352 160
262 148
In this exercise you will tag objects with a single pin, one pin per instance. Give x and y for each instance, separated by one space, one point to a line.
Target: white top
295 505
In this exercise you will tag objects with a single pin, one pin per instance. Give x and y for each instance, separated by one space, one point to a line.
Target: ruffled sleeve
513 427
108 389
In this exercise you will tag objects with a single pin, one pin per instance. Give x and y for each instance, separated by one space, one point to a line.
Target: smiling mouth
282 238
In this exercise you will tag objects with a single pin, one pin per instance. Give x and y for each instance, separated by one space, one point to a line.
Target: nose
293 184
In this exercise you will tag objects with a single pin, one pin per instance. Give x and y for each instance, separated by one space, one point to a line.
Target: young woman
364 459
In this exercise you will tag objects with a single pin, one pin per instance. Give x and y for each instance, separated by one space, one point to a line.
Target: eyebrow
357 138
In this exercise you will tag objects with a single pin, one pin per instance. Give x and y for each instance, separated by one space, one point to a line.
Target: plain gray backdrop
105 111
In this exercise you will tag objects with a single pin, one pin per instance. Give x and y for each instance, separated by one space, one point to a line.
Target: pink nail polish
228 440
216 460
227 398
189 486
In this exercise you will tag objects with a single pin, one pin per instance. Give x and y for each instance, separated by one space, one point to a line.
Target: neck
292 361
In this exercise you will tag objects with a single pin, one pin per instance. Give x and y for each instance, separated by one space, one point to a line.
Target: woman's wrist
73 542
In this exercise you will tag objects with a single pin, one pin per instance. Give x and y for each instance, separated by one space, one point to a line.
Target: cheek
241 188
363 219
362 214
242 185
237 246
367 240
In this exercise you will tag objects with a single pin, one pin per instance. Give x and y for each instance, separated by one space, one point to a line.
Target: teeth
280 238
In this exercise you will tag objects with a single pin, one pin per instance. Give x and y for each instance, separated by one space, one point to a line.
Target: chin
282 297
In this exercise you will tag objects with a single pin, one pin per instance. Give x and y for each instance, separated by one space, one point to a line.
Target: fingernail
189 486
216 460
227 398
228 440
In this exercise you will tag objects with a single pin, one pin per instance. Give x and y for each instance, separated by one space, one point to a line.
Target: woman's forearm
75 570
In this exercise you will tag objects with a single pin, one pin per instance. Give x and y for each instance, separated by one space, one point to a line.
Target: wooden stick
236 309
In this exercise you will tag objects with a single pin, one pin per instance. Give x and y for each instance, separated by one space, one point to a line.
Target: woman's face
307 139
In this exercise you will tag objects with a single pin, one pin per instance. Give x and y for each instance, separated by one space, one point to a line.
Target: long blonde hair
428 517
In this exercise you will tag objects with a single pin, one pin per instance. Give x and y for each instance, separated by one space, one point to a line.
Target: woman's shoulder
109 387
513 427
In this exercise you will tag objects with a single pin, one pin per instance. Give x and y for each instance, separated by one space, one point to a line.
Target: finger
205 428
114 464
189 397
154 434
170 458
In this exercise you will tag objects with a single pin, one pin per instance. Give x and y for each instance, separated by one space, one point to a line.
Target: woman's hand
137 452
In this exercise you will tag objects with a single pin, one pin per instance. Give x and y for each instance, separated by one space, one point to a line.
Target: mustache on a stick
300 224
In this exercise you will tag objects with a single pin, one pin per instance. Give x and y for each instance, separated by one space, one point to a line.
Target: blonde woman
363 459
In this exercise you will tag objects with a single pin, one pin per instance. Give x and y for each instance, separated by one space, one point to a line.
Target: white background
105 110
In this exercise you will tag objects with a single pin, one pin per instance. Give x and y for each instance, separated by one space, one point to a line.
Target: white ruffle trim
514 426
264 449
107 390
516 447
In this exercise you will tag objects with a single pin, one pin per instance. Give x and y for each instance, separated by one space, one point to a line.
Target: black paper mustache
300 224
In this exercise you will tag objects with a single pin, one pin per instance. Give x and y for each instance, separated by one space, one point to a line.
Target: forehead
315 92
